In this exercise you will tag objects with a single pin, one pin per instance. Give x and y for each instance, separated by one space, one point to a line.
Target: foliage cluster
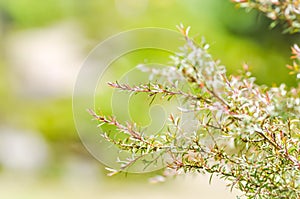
245 133
286 12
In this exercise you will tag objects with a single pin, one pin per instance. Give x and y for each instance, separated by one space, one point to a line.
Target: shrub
245 133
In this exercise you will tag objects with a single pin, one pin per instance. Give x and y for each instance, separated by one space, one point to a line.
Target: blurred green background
42 46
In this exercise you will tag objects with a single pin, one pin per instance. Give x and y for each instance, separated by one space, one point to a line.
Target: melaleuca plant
286 12
245 133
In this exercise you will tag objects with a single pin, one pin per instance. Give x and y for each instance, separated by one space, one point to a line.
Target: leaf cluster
285 12
245 133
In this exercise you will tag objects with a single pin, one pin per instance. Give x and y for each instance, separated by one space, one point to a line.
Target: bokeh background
42 46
